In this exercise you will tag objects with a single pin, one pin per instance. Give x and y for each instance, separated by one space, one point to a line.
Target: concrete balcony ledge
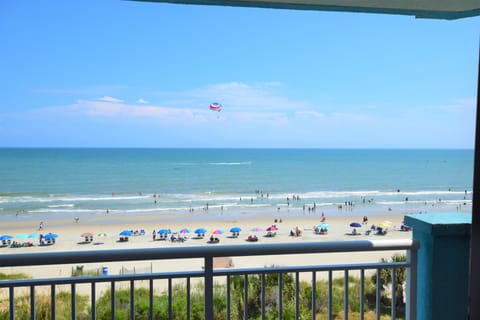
441 224
443 263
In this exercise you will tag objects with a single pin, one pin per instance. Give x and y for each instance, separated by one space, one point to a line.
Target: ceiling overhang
434 9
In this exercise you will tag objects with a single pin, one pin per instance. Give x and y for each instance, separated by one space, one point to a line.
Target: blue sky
117 73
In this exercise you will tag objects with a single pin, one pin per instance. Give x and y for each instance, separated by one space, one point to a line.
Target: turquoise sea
46 181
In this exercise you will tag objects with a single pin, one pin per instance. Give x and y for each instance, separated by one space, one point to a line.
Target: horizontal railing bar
100 279
317 268
201 274
65 257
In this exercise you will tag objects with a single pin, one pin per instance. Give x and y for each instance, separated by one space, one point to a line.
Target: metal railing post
412 260
208 287
11 297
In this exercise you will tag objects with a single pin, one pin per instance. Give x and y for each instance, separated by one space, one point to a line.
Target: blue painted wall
443 264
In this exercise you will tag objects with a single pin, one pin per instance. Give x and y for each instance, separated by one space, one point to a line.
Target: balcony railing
208 275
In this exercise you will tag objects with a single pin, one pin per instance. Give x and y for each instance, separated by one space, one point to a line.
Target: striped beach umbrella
185 230
272 228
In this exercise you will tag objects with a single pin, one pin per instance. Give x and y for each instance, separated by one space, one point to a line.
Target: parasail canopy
215 106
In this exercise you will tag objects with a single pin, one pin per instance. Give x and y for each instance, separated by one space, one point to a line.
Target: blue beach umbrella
33 236
235 229
126 233
355 225
5 237
200 231
50 236
163 231
22 236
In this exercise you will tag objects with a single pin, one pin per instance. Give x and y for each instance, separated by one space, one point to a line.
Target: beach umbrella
163 231
6 237
86 235
185 230
236 229
22 236
218 231
50 236
256 229
272 228
200 230
126 233
385 224
355 225
102 234
33 236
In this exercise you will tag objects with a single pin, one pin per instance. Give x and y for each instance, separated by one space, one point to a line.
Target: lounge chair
214 240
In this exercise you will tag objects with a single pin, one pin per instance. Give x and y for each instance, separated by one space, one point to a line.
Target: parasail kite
216 106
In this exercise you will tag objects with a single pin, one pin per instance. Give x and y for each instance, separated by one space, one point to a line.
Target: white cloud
109 99
237 96
243 105
467 104
90 90
122 110
253 115
309 114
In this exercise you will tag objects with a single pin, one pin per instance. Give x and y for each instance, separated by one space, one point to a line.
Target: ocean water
42 182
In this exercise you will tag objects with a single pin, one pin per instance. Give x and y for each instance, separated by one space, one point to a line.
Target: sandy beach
69 237
69 233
